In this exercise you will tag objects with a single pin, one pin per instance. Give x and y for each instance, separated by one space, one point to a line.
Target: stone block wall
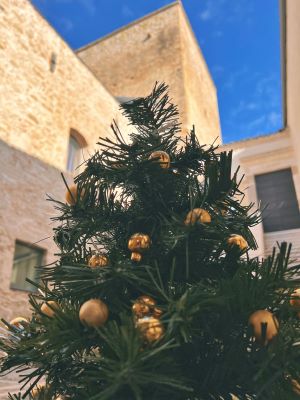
46 89
24 215
159 47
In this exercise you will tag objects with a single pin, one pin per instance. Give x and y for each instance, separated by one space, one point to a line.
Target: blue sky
239 38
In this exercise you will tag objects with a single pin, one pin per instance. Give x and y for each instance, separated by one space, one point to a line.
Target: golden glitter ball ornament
93 313
157 312
19 322
49 308
143 306
237 241
262 318
35 392
149 301
140 310
295 299
197 215
295 386
98 260
151 328
162 158
72 195
138 244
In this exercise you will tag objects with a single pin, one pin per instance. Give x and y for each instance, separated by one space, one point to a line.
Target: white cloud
227 11
205 15
127 11
66 24
274 119
89 5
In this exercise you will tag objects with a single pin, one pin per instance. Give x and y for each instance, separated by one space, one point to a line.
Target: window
26 258
76 144
278 198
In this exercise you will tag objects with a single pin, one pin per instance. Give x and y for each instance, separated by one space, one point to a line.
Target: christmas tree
154 294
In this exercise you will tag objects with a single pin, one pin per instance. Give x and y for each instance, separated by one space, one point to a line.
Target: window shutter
277 195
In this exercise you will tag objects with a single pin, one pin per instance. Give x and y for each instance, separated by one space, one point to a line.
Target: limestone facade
159 47
45 88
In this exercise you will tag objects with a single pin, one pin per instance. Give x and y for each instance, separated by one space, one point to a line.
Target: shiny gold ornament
151 328
296 386
49 308
19 322
237 241
162 158
138 244
93 313
98 260
72 195
257 321
143 306
140 310
37 390
157 312
295 299
147 300
197 215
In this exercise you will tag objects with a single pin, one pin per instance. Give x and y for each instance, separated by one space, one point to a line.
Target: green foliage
206 290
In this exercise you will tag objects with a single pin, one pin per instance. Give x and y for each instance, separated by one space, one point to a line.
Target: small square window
26 258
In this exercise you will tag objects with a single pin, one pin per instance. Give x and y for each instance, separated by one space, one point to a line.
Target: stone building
55 103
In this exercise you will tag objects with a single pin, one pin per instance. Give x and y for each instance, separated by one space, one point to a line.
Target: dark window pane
26 258
277 194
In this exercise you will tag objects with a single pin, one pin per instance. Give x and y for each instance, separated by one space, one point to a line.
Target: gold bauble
296 386
93 313
237 241
157 312
295 299
140 310
150 328
197 215
98 260
143 306
257 321
138 244
161 157
49 308
19 322
146 300
37 390
72 199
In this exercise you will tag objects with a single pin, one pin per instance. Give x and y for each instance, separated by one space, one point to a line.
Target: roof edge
122 28
239 143
283 51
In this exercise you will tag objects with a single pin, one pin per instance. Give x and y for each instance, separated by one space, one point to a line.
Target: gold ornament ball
296 386
157 312
19 322
72 199
197 215
37 390
143 306
162 158
237 241
295 299
151 328
138 244
93 313
140 310
256 321
49 308
146 300
98 260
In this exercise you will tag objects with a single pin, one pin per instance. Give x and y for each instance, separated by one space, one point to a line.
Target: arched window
76 144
